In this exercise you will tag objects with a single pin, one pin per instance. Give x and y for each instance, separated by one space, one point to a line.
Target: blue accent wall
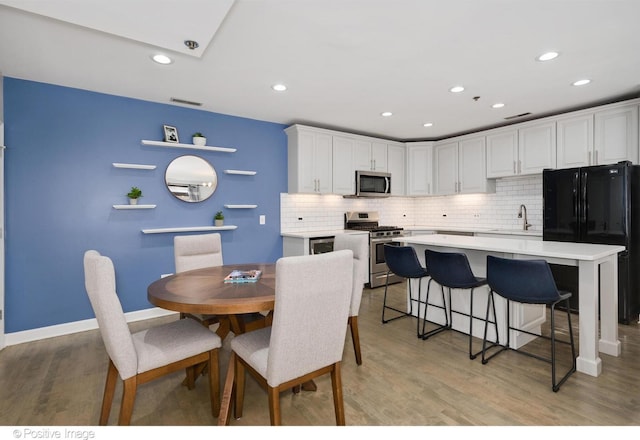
61 186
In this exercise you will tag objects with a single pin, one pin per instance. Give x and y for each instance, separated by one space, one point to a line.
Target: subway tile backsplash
310 212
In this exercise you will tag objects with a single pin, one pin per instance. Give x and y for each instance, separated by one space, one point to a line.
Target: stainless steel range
378 237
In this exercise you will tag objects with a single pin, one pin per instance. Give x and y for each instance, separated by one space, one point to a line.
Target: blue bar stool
403 261
528 282
452 270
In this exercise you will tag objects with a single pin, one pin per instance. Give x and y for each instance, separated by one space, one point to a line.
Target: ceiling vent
184 101
517 116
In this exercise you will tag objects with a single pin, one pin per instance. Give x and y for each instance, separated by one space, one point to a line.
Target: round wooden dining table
203 291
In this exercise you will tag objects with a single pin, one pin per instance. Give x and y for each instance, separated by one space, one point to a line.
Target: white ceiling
344 61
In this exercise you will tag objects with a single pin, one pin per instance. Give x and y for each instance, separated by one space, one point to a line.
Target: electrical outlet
263 219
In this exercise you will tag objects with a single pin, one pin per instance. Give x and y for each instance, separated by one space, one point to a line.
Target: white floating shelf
240 206
244 173
134 166
189 229
134 206
189 146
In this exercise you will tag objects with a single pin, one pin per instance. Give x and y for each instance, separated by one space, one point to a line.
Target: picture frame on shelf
170 134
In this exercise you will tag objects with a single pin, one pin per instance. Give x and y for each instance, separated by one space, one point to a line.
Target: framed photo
170 134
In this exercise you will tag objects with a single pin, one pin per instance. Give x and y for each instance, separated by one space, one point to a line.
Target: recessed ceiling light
582 82
428 124
548 56
497 105
456 89
386 114
161 59
279 87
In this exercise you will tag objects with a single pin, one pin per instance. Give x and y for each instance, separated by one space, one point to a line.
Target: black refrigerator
597 204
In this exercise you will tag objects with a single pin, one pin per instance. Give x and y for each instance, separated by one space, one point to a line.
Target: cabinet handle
519 166
459 187
374 164
596 161
428 188
514 167
589 158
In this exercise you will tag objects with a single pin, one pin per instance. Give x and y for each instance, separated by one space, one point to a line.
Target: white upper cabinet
459 167
575 141
528 149
396 165
602 137
370 156
536 147
502 153
310 160
419 168
345 152
616 135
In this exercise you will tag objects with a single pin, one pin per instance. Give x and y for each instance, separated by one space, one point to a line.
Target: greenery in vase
135 193
219 216
198 135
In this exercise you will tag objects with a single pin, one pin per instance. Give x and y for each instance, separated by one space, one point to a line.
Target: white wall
310 212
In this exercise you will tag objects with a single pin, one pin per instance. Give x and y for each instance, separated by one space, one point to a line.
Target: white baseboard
78 326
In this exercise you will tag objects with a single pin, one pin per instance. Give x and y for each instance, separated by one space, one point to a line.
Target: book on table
243 276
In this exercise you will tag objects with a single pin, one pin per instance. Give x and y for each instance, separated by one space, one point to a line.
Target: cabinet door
344 150
322 163
502 153
536 148
362 156
616 135
307 179
445 168
575 142
472 170
379 156
396 155
419 169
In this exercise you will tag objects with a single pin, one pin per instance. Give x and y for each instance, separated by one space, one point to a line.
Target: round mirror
191 178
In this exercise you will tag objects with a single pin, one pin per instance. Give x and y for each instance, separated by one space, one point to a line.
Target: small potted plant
134 194
218 218
199 139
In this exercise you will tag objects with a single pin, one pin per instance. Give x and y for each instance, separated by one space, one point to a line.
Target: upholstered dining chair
359 245
197 252
148 354
306 339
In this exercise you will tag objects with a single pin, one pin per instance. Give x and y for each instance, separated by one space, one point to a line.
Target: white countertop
551 249
529 232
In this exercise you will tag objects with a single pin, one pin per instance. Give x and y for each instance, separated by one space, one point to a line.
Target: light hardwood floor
404 381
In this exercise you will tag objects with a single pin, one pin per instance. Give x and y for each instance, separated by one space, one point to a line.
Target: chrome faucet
525 223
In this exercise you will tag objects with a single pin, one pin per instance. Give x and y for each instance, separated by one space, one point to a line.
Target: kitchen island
597 280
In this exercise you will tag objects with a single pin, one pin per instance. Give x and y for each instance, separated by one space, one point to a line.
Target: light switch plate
263 219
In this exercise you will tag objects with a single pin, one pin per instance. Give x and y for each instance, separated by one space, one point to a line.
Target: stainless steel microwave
373 184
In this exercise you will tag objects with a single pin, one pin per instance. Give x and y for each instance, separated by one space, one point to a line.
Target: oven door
378 266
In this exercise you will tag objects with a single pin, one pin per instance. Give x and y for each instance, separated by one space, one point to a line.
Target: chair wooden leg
128 400
191 377
355 338
109 390
338 403
214 382
239 377
274 406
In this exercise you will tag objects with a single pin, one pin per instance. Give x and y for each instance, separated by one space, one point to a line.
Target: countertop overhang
549 249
